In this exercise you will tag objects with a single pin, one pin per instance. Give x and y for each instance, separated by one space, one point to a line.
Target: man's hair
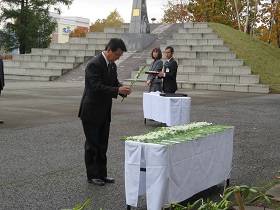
115 44
170 48
158 50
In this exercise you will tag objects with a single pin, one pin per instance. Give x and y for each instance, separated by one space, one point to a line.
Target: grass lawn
263 58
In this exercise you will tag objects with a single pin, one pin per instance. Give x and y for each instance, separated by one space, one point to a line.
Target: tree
113 20
79 32
270 27
176 13
219 11
28 23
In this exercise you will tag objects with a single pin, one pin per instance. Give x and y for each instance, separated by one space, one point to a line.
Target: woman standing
152 80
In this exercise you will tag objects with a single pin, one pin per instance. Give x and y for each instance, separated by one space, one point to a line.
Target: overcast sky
100 9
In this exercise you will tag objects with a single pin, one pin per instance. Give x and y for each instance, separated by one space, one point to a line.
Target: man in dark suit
101 85
2 83
170 72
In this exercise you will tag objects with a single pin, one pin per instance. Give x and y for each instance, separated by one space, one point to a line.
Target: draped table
169 110
176 172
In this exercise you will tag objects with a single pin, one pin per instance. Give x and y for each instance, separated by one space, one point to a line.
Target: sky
100 9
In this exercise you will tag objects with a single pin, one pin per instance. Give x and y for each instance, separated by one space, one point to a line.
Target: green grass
263 58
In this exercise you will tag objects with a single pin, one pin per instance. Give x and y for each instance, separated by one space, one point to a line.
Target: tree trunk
247 17
272 21
237 15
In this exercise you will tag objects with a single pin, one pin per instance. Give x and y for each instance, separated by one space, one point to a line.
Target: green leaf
226 197
255 199
267 199
253 190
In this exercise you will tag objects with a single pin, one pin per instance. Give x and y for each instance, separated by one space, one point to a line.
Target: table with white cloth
169 110
176 172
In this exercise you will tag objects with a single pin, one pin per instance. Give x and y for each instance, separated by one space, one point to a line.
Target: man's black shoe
97 182
108 180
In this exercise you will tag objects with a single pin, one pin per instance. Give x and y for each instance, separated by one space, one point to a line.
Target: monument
139 22
139 36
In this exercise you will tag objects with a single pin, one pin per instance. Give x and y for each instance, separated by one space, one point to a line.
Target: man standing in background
2 83
170 72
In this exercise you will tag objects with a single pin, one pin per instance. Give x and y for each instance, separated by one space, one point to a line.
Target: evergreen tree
27 23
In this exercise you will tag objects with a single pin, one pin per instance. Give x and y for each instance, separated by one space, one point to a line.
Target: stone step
30 77
248 88
116 30
197 48
218 78
35 71
227 70
205 62
206 55
231 70
77 53
216 41
102 35
72 46
207 77
209 62
39 64
195 30
87 41
68 46
48 58
195 36
195 25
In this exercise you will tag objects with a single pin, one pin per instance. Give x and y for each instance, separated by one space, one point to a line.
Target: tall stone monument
139 22
139 36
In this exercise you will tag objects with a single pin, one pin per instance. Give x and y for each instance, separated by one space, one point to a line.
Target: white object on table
176 172
169 110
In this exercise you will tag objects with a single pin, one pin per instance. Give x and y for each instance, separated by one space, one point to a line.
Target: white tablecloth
169 110
177 172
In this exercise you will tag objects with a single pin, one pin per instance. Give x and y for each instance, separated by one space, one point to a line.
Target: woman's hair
158 51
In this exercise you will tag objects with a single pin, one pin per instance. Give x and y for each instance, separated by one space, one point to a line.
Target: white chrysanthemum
164 131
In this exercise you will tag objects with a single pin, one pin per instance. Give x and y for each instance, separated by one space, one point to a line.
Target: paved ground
42 143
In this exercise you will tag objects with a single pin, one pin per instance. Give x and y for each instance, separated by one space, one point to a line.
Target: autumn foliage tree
113 20
270 19
79 32
176 13
255 17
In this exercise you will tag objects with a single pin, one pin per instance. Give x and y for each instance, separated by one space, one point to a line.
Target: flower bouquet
177 134
135 79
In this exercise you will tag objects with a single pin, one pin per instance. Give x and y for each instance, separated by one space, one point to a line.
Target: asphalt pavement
42 165
41 138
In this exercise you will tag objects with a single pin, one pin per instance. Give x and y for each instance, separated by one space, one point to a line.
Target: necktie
109 69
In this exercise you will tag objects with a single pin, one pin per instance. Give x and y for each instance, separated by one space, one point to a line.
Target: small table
176 172
169 110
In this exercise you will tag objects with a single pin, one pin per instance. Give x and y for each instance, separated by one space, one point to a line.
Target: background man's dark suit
169 80
2 82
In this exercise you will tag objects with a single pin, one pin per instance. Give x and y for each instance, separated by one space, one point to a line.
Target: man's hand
160 74
125 90
148 82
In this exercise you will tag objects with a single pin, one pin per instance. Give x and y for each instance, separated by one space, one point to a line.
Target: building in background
66 25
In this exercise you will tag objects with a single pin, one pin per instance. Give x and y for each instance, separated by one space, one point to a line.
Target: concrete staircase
206 63
46 64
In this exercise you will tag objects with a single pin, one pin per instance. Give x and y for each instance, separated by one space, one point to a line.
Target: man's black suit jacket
100 88
169 81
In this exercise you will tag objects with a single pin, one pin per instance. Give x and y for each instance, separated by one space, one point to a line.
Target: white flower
165 131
